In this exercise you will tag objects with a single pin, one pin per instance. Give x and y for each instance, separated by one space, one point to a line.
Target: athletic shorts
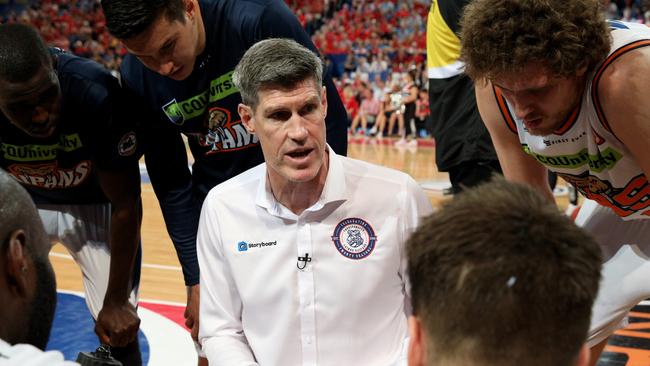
626 267
85 230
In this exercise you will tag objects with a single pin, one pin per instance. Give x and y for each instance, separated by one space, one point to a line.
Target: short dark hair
128 18
22 52
275 62
499 37
500 277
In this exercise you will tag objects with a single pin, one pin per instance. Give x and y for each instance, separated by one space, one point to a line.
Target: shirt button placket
306 293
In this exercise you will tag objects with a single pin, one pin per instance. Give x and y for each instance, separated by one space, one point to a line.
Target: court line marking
144 265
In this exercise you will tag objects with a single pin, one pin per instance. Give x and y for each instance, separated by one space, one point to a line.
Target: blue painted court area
144 176
73 329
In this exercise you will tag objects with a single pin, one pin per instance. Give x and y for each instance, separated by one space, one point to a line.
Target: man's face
33 105
290 125
168 47
542 100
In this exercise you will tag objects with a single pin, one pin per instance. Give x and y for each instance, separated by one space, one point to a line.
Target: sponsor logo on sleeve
173 112
127 145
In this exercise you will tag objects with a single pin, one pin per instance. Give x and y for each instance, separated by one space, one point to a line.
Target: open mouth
299 154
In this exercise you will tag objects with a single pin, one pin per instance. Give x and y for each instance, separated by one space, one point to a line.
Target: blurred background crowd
375 49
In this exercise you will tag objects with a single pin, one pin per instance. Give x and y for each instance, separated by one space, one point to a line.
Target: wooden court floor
162 278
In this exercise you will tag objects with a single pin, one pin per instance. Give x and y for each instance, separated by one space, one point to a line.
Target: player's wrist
116 301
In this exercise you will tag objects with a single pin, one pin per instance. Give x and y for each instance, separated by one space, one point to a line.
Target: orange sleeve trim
608 61
505 111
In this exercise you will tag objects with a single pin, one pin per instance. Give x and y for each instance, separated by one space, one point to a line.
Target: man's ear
417 348
323 97
246 114
190 9
16 263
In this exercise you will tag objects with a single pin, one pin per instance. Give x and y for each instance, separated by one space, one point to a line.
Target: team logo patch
173 111
354 238
128 144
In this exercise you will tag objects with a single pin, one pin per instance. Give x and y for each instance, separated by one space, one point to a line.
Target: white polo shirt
345 307
28 355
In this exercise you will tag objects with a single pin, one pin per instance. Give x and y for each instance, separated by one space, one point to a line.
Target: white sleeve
417 206
28 355
402 360
220 329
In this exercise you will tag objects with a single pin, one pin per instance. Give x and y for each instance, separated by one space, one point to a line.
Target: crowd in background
635 11
368 45
77 26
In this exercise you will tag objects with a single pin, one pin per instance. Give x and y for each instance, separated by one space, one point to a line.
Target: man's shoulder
71 64
229 5
134 73
238 11
84 78
615 79
390 189
230 9
241 185
359 169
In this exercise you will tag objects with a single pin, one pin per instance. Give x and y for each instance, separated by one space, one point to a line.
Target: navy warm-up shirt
94 131
204 108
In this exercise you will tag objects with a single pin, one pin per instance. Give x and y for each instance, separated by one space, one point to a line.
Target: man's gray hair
275 62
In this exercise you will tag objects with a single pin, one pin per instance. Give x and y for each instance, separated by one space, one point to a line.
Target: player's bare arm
516 164
623 91
118 322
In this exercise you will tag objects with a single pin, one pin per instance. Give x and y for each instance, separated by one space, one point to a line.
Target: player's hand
192 311
117 324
